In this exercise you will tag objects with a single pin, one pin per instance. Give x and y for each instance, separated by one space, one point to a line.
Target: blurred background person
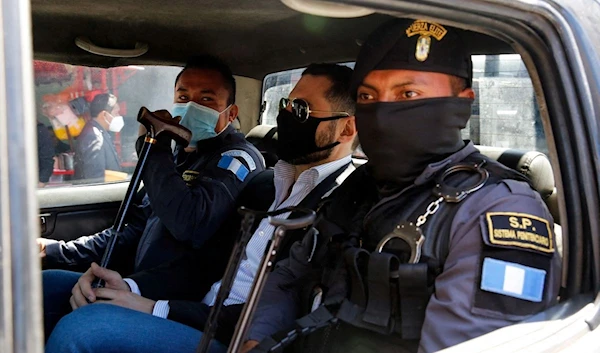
95 152
59 146
45 154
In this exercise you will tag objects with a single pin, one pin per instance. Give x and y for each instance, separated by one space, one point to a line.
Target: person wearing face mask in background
95 152
428 244
187 195
316 137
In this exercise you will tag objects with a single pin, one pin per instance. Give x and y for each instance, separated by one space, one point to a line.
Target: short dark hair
457 84
211 62
339 93
102 102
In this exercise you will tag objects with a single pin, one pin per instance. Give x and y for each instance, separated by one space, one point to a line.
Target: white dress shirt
284 197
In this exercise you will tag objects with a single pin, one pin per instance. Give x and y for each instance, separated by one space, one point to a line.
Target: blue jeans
106 328
57 285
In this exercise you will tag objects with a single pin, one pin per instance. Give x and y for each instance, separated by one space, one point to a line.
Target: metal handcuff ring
453 194
410 232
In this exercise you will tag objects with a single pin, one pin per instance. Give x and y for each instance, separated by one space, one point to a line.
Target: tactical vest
374 300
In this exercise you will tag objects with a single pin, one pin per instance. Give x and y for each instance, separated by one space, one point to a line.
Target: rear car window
63 96
505 112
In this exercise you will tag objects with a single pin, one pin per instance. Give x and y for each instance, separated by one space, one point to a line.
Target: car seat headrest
534 165
264 138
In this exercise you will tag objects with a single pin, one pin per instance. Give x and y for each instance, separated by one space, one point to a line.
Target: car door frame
20 282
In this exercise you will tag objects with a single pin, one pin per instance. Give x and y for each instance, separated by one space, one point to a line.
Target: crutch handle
295 223
162 121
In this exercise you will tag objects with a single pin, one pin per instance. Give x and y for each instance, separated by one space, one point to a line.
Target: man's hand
125 299
248 346
161 114
42 242
83 294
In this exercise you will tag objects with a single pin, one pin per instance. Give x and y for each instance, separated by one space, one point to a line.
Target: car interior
87 45
289 41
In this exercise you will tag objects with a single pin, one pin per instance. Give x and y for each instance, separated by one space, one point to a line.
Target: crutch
267 263
266 266
155 125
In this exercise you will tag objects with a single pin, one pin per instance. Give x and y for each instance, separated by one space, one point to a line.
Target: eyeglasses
302 112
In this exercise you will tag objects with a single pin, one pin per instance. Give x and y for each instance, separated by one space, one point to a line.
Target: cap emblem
425 30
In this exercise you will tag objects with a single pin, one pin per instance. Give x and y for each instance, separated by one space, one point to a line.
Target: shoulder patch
242 154
233 165
189 176
519 230
513 280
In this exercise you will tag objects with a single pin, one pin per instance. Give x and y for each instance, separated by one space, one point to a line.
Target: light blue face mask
199 119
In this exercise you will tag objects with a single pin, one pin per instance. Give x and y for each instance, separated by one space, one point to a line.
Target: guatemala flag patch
513 280
235 166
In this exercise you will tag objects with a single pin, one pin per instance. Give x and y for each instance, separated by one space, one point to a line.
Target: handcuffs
411 232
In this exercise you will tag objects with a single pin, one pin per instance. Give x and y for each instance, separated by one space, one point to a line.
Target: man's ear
349 131
233 113
467 93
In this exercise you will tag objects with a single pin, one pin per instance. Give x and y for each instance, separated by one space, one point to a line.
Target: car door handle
44 223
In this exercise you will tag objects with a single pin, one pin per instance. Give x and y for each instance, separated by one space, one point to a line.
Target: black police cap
403 44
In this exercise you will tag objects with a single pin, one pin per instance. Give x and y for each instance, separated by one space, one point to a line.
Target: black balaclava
402 138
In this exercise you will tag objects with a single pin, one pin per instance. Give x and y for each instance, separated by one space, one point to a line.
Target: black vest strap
260 192
311 201
379 309
314 197
356 261
414 296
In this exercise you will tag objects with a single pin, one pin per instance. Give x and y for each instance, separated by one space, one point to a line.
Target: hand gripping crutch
155 124
267 263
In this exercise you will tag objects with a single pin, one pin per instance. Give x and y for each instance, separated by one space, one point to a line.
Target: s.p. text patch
520 230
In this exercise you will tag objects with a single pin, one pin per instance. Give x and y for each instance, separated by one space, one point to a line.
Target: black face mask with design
297 141
402 138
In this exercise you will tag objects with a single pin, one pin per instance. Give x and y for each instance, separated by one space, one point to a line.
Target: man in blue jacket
188 196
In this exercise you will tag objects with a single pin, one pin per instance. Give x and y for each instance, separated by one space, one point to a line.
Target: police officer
430 243
188 196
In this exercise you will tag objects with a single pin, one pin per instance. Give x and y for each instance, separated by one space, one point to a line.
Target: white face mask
116 124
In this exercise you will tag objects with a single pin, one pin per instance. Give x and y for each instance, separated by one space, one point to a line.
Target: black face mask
402 138
296 141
